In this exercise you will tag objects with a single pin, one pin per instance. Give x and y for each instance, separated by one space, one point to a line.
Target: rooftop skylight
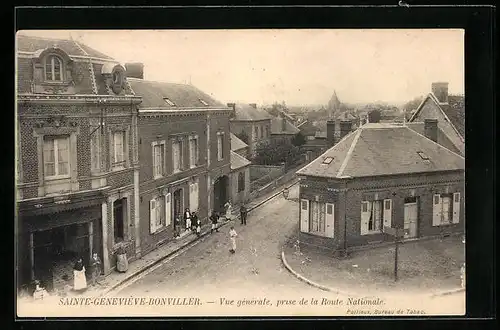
169 102
327 160
423 155
203 102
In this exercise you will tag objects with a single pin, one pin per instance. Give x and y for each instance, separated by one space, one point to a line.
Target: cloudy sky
296 66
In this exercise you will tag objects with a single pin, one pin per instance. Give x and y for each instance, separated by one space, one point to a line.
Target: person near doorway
243 214
187 219
214 219
232 237
177 227
196 224
229 210
79 279
96 268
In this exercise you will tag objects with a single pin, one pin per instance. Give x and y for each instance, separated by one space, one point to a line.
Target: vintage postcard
263 172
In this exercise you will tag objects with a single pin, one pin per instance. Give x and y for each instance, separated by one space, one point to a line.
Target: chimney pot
440 91
345 127
430 129
134 70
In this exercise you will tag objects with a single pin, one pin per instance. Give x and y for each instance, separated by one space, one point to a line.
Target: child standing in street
177 227
196 223
96 268
232 236
187 218
214 217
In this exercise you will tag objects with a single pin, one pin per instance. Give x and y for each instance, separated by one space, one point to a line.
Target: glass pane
50 169
304 205
63 168
387 205
329 209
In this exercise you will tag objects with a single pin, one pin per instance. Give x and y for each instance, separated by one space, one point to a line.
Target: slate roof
237 143
245 112
383 149
454 110
442 138
277 127
183 96
71 47
307 128
238 161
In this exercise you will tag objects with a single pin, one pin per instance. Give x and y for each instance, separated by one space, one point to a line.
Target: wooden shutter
304 215
437 209
193 197
365 218
168 210
329 220
152 216
387 212
111 148
456 207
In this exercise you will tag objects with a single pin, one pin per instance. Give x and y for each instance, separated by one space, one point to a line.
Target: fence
260 175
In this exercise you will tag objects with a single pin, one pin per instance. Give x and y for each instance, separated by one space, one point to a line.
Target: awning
53 220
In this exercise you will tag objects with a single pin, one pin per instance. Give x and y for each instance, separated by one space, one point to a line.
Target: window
158 159
329 209
220 146
95 151
317 218
256 132
119 145
193 151
177 155
169 102
261 131
327 160
53 68
157 213
442 209
56 156
375 215
119 216
203 102
304 205
241 181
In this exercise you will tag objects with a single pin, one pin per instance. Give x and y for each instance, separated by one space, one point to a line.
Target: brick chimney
232 106
330 133
135 70
345 127
440 91
253 105
430 129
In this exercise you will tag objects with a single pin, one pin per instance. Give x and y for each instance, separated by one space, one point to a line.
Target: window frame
154 146
194 157
180 167
220 147
55 149
53 57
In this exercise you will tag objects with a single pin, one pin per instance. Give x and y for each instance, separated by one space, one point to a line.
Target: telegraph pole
396 255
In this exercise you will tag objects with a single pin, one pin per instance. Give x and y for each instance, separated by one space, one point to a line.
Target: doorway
411 217
220 193
178 203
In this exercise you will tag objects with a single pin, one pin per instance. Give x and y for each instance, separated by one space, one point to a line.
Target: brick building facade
184 148
381 176
76 158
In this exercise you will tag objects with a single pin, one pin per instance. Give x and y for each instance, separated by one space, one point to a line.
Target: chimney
283 122
232 106
430 129
135 70
330 133
345 127
440 91
253 105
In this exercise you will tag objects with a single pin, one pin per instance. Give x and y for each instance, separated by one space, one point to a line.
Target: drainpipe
345 190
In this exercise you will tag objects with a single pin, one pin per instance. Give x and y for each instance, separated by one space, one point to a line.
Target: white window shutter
387 212
437 209
152 216
329 220
168 210
193 197
365 217
304 215
456 207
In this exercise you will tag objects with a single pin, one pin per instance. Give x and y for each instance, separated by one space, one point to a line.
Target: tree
276 153
243 136
411 106
298 140
374 116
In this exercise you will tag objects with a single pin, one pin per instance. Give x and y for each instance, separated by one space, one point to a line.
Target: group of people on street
192 222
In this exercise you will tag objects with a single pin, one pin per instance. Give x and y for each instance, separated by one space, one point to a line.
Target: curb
308 281
325 288
186 245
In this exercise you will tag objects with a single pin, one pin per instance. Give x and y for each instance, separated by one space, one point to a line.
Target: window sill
156 177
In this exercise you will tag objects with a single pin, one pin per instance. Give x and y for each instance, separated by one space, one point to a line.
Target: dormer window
423 155
169 102
53 68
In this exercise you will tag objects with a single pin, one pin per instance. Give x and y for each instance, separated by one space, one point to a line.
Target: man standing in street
232 236
213 218
243 214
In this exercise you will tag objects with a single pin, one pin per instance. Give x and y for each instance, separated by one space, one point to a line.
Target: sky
300 67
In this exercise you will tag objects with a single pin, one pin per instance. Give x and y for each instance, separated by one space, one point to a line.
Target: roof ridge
349 153
440 146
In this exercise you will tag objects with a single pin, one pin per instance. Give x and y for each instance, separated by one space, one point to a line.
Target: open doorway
220 193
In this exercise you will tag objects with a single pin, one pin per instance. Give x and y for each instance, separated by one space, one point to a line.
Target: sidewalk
116 279
430 267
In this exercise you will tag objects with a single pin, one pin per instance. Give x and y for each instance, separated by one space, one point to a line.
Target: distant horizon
295 66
